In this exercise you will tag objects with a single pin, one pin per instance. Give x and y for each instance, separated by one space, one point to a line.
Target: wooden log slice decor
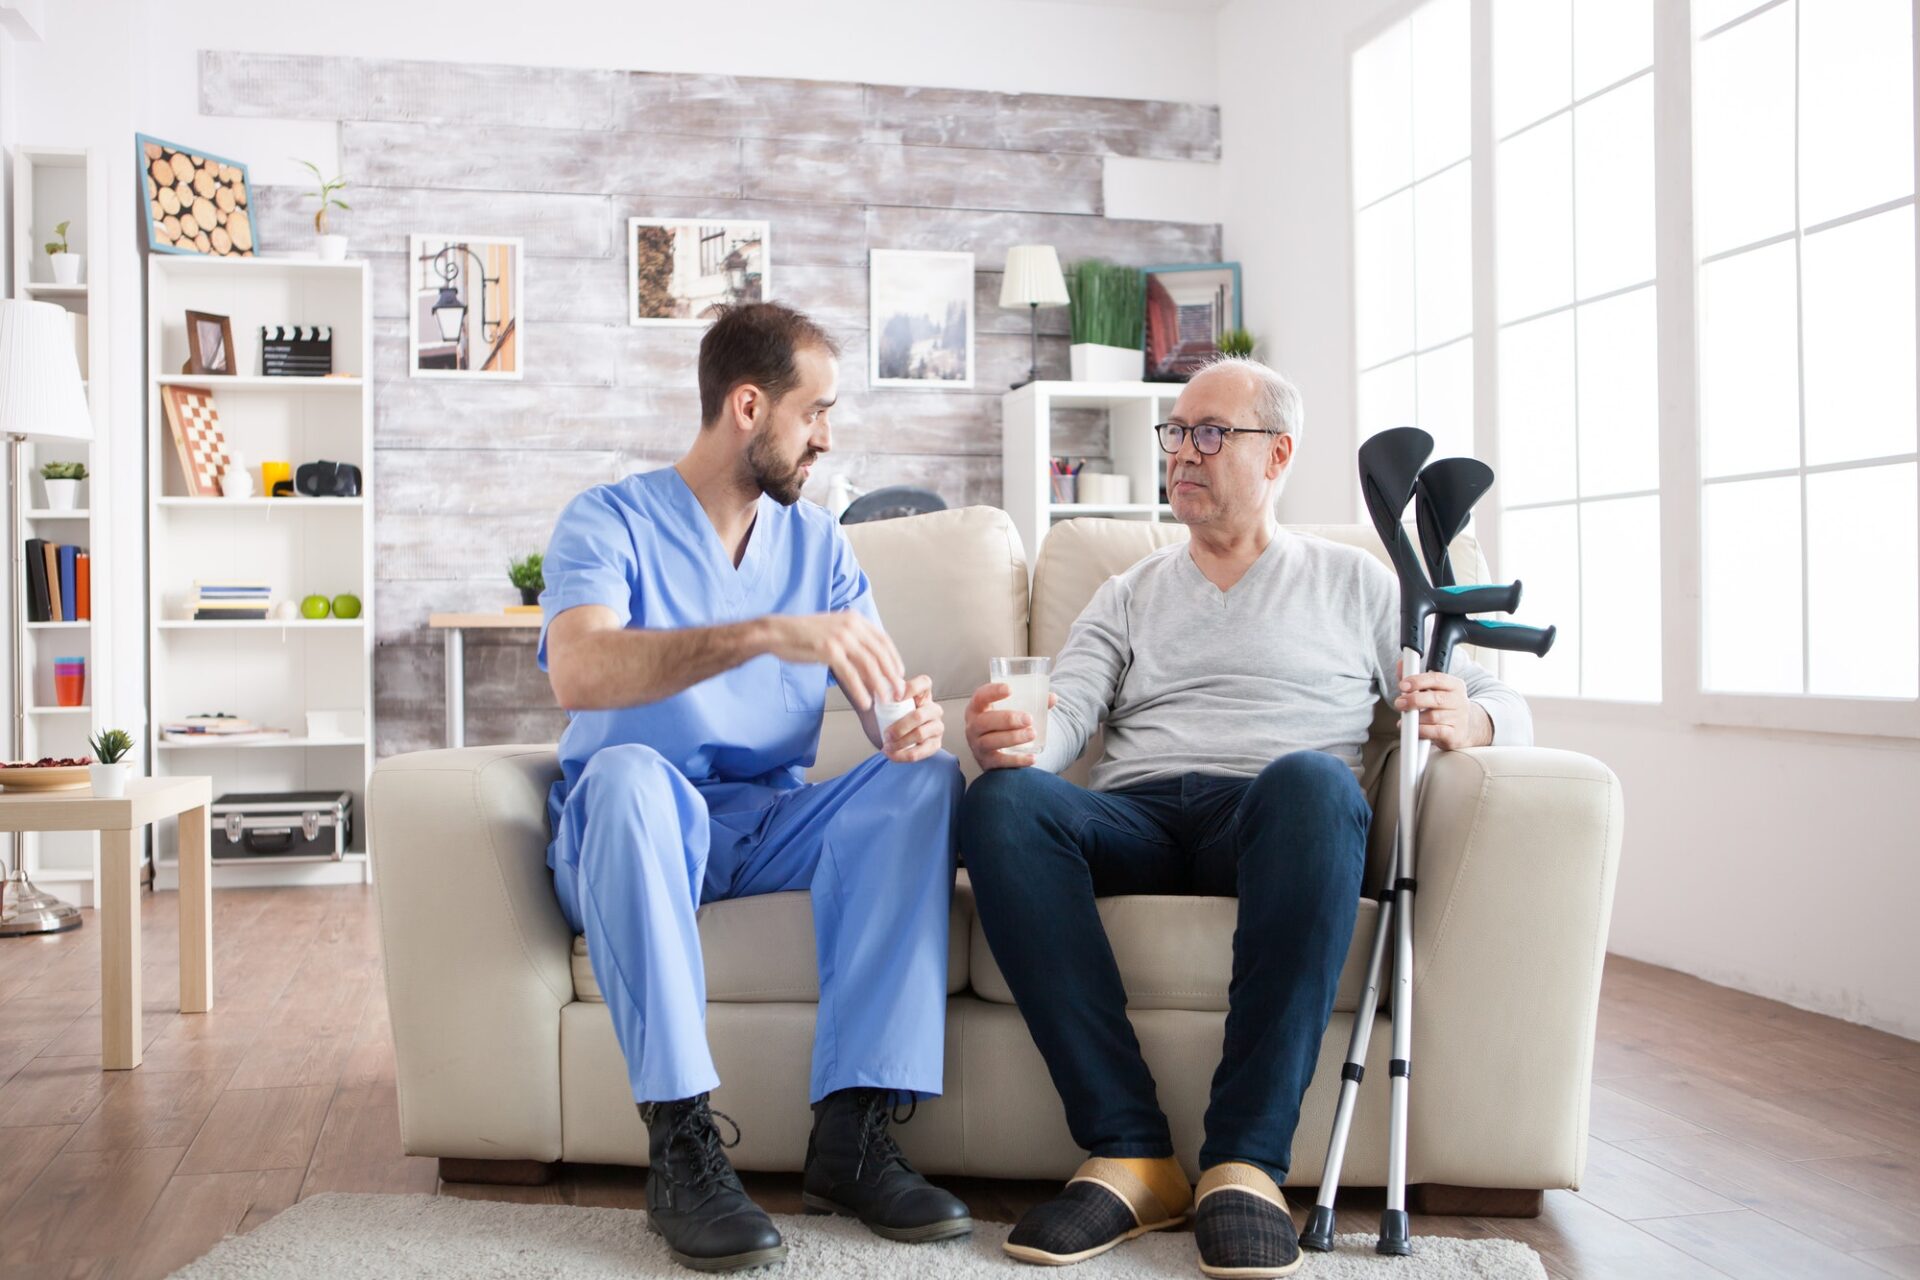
197 203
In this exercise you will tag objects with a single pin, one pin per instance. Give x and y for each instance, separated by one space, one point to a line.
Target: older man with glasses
1236 676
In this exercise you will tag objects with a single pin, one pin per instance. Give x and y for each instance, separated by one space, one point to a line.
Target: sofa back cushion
952 590
1078 555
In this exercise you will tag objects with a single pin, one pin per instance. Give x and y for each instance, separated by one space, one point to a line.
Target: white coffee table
120 823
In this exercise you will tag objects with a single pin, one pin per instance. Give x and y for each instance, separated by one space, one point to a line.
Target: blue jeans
1290 844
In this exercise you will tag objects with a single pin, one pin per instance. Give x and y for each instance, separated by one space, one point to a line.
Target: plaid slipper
1103 1204
1242 1225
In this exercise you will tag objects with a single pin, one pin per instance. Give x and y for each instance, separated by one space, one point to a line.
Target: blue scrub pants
637 848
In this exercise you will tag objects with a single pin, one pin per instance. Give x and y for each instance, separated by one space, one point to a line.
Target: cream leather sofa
507 1058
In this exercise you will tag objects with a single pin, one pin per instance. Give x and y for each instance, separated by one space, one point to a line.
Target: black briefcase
310 825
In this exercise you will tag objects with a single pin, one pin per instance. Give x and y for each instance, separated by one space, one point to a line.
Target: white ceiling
1169 6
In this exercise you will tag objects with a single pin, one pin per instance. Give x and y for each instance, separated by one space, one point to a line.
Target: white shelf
59 711
256 382
48 513
262 744
190 263
257 504
268 624
50 290
1109 508
58 626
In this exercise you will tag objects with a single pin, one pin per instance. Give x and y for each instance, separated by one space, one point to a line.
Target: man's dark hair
754 343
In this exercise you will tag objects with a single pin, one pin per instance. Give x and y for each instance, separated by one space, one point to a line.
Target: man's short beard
776 477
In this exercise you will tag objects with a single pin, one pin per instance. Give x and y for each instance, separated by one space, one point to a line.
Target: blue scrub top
644 548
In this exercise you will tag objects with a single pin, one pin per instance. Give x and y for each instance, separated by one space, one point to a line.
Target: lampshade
1033 278
41 396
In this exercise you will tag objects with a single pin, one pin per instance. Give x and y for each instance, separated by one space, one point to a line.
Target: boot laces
878 1109
694 1128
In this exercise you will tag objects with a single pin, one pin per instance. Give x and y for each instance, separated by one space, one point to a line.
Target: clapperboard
296 351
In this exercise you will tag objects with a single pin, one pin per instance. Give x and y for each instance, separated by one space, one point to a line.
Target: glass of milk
1027 677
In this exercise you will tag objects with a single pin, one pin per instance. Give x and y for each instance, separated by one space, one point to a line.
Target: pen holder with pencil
1064 487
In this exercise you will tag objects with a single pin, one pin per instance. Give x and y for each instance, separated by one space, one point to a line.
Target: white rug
361 1237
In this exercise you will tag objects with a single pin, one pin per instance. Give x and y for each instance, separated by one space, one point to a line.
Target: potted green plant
1237 342
525 574
62 482
110 768
1107 305
66 263
333 248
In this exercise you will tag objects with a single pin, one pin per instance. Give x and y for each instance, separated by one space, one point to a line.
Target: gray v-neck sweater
1187 678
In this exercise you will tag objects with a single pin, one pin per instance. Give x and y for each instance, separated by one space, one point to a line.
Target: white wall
1781 864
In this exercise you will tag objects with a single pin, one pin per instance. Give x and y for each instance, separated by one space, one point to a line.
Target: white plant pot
66 268
333 248
110 780
62 495
1097 362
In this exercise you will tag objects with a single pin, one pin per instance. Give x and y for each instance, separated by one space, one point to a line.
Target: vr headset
322 480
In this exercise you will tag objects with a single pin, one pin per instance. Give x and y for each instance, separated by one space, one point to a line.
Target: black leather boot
854 1168
694 1198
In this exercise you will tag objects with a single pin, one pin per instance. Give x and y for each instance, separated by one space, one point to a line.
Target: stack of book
225 729
59 583
231 601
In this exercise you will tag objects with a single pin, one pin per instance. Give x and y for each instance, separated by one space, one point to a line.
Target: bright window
1803 189
1578 338
1413 226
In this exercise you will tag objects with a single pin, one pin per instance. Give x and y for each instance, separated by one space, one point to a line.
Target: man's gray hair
1276 405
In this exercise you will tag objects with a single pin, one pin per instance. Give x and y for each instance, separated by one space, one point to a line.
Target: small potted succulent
110 768
1107 306
62 481
66 263
1237 342
333 248
525 574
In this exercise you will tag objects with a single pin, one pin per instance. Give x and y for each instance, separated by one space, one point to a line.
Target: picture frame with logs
196 202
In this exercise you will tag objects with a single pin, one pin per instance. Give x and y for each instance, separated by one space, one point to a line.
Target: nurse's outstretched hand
861 655
917 734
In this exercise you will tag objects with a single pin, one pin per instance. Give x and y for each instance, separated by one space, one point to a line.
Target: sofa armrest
477 951
1517 850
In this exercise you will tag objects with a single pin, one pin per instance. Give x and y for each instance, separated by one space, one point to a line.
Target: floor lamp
41 398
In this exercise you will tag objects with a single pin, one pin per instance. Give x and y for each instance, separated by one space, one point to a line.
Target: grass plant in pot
62 482
1107 305
66 263
333 248
526 575
110 768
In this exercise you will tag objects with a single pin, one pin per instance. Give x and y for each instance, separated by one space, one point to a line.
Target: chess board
197 439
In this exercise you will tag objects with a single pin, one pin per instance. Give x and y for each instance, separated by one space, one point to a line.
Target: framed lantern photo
463 314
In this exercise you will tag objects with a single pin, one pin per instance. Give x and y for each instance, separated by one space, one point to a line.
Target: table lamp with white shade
1033 280
41 398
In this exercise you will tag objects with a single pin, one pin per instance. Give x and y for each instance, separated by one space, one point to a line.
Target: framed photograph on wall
681 271
209 344
463 318
1188 307
196 202
920 319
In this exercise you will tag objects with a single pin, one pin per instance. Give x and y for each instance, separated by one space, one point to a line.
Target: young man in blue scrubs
694 616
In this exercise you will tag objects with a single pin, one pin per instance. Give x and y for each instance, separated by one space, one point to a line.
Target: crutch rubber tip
1319 1233
1396 1234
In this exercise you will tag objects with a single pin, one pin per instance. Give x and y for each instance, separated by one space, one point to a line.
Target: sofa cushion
760 950
1177 952
951 587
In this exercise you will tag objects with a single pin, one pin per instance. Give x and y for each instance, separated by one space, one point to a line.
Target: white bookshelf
271 672
52 185
1027 443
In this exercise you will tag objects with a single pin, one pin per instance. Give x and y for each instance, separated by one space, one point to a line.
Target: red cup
70 682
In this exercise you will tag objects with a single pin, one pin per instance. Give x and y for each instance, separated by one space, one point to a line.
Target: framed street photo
684 271
463 317
920 321
1189 307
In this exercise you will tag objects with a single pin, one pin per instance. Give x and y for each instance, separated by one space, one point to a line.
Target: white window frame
1676 281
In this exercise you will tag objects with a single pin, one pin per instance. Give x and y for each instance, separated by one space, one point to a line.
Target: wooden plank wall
467 473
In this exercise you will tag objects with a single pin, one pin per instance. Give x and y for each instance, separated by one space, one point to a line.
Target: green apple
315 607
347 606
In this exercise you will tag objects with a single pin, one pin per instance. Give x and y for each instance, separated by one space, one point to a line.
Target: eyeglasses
1207 437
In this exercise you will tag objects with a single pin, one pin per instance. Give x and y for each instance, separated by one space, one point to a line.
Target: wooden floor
1731 1135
